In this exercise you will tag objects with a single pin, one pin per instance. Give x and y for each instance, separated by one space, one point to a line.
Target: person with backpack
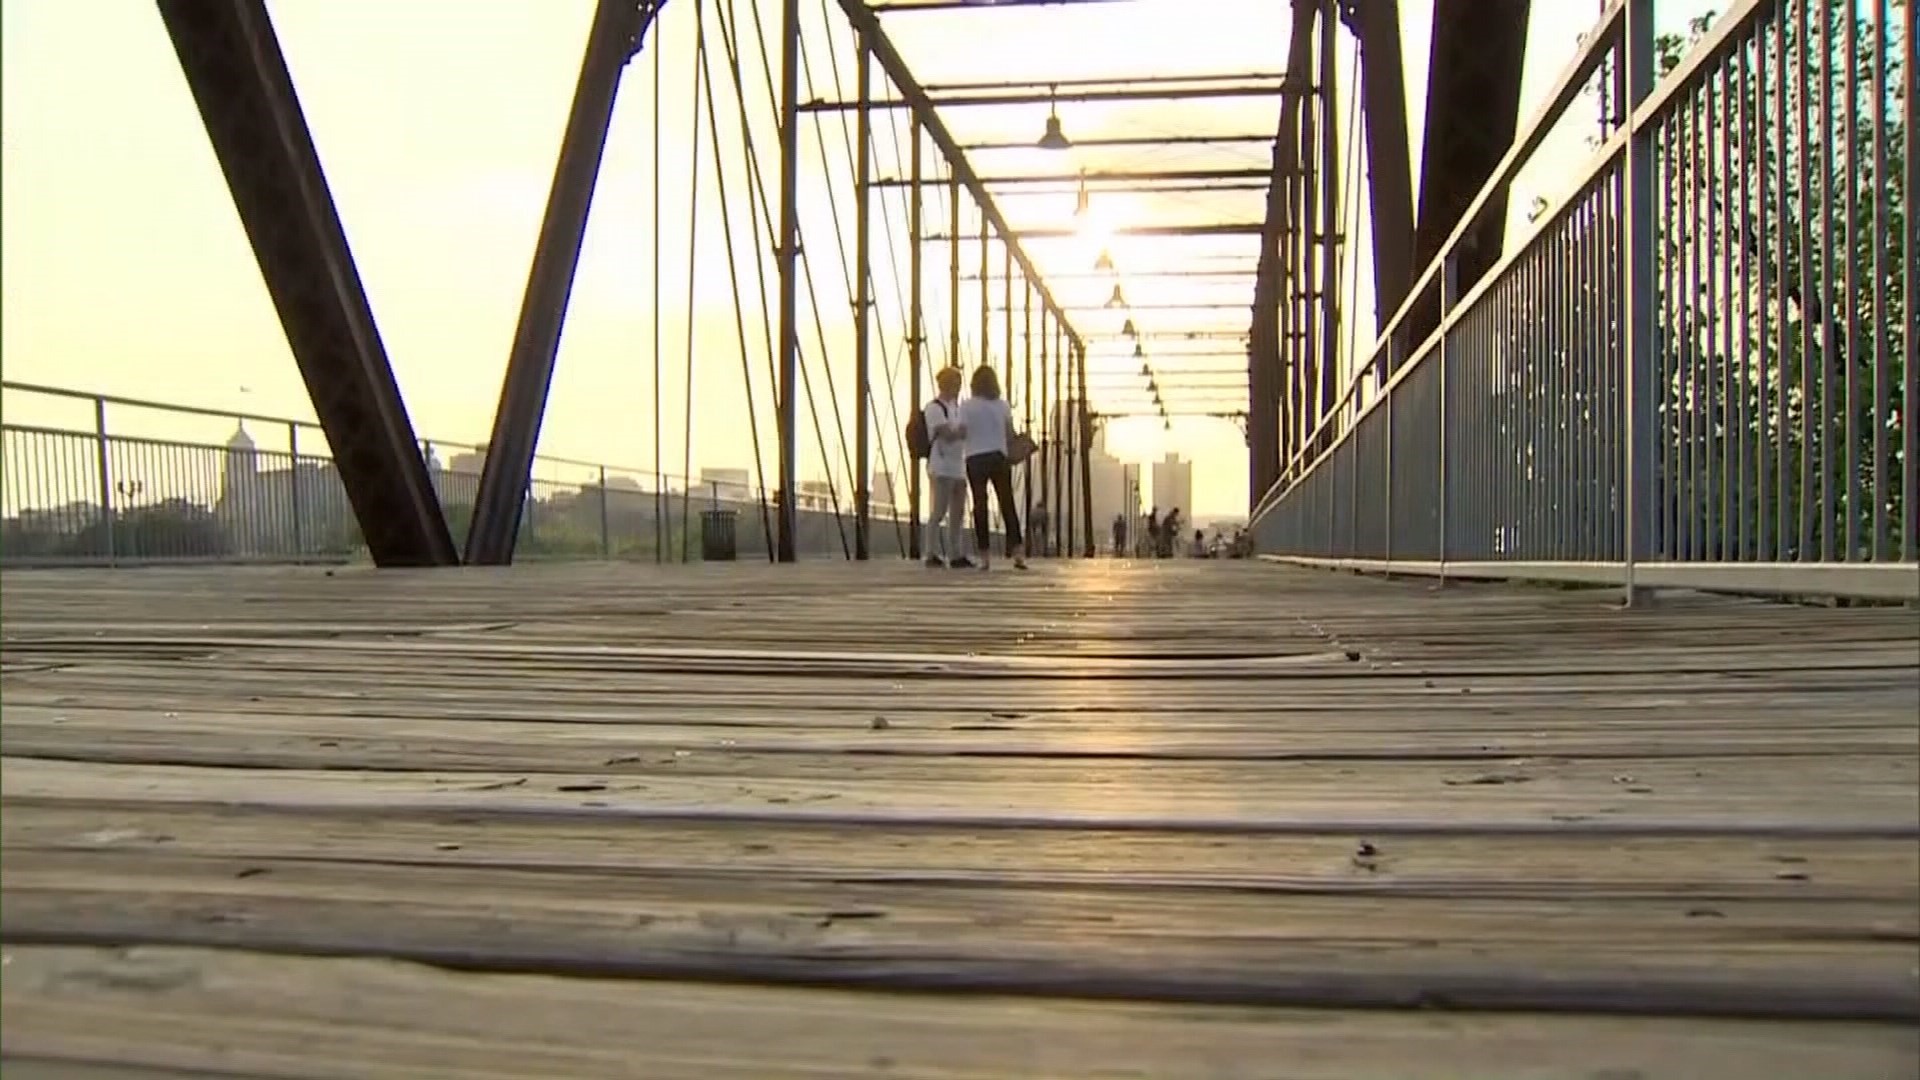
937 434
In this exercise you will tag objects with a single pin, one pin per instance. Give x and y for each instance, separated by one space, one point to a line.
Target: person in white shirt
988 423
947 474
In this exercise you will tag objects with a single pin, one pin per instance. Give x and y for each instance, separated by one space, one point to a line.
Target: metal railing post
1637 271
104 463
293 485
606 530
1386 537
1449 297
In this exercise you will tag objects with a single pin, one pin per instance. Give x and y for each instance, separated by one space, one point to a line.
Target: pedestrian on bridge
987 421
947 473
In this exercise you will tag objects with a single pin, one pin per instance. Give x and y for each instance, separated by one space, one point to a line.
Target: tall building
1173 485
1115 484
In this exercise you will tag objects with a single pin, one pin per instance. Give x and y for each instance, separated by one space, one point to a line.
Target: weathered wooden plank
252 1015
632 739
1881 806
1750 958
1683 869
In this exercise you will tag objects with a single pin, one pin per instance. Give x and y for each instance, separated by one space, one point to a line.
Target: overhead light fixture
1054 138
1129 331
1138 352
1146 372
1118 299
1104 263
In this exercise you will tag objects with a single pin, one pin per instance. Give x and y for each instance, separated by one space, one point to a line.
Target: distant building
300 508
727 485
1173 485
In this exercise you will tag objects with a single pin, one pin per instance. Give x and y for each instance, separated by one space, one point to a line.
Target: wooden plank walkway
1168 820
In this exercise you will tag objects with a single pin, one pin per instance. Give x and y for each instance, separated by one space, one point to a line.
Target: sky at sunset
125 270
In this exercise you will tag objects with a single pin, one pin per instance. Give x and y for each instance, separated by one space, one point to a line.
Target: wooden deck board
1210 796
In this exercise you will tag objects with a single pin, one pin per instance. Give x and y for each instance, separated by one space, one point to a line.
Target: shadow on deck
1176 819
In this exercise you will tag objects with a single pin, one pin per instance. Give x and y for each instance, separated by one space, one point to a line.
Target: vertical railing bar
1667 131
1824 306
1741 168
1850 493
105 465
1555 281
1638 278
1700 326
1448 293
1682 308
1757 164
1732 439
1881 242
1540 404
1910 308
1596 366
1784 532
1804 120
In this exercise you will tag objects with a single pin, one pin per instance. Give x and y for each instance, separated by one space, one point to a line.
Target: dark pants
985 469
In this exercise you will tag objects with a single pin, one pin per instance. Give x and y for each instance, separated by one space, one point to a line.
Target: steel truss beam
239 80
1078 97
1131 140
1264 374
615 35
866 22
1106 177
1383 101
1473 110
1213 228
1134 275
905 6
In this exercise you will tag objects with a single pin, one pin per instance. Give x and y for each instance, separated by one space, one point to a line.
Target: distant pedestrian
988 423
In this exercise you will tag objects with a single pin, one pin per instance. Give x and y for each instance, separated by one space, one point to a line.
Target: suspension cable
733 276
806 268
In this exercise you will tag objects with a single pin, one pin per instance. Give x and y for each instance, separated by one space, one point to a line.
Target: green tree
1782 291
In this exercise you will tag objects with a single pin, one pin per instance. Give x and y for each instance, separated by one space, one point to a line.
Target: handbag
1020 447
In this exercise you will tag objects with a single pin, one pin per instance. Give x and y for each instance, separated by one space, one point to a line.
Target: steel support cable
659 479
846 272
887 363
693 290
806 268
891 361
733 277
729 20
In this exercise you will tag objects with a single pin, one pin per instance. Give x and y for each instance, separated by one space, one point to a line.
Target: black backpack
919 439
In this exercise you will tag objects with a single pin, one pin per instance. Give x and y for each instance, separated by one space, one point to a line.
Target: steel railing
1694 371
91 492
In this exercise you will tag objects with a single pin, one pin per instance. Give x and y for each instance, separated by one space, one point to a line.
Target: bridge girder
238 76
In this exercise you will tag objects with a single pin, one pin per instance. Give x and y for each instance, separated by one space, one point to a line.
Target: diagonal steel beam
238 76
866 22
1383 101
617 29
1263 350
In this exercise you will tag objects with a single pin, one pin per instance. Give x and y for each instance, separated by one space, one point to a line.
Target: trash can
717 541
